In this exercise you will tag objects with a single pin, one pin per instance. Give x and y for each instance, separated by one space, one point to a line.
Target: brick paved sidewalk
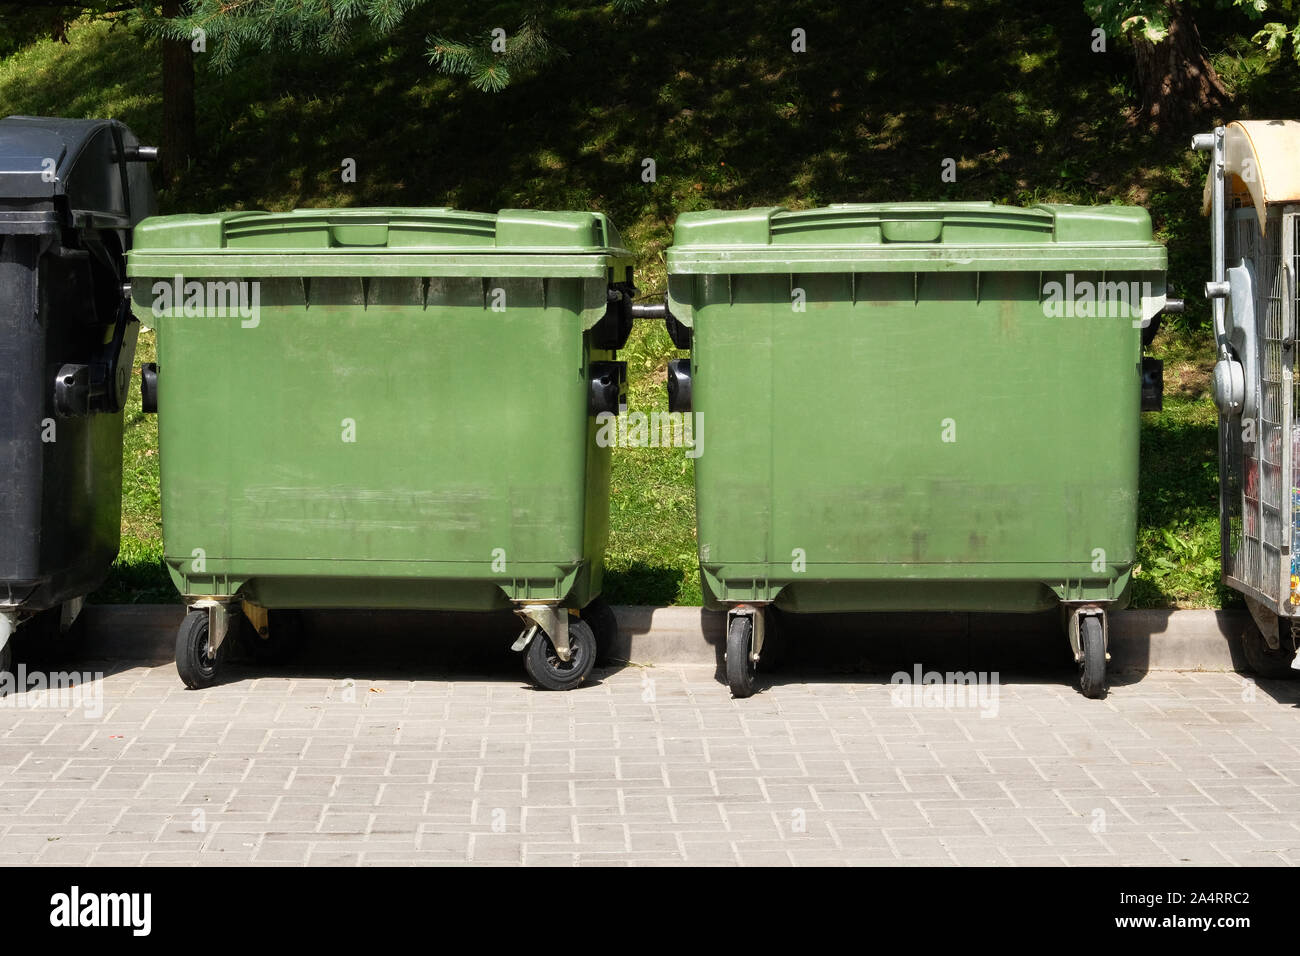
649 766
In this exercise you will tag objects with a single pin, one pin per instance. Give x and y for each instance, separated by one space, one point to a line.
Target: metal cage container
1253 197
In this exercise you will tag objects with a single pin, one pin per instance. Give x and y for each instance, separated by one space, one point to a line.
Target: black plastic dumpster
70 193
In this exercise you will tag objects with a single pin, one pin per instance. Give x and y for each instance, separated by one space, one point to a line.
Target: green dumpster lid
378 242
965 236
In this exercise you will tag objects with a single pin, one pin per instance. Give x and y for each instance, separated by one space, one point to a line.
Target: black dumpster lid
85 160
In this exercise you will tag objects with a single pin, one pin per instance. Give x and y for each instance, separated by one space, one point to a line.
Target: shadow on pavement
423 645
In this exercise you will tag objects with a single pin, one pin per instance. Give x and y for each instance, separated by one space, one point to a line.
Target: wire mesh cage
1257 454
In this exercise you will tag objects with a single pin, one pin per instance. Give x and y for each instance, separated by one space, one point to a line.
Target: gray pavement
649 766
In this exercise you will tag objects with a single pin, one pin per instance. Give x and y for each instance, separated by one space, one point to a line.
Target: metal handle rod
1216 290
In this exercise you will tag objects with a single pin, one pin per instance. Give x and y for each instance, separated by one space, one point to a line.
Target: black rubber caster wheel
1092 670
281 643
1263 660
195 662
740 668
544 666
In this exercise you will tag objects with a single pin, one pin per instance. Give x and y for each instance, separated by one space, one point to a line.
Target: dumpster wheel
1092 666
544 666
195 662
740 662
1263 660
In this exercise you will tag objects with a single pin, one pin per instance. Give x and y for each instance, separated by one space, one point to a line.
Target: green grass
732 118
1178 492
651 558
139 576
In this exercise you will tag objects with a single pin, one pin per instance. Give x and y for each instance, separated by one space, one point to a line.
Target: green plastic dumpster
384 408
915 407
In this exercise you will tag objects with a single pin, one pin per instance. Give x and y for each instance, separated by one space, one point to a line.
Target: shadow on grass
138 581
642 583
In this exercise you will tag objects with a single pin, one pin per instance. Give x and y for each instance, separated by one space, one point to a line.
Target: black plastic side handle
679 385
607 388
615 325
1153 384
100 385
680 334
72 391
115 365
149 388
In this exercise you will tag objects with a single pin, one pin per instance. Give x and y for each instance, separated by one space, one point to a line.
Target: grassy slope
732 118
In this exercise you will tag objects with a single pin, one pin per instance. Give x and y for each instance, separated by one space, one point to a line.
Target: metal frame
1077 613
219 615
550 618
757 618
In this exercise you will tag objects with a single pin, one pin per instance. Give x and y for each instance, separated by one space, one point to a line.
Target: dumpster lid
944 235
376 241
84 160
439 229
1260 166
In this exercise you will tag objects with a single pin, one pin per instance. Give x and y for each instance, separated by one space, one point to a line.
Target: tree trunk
1176 80
178 103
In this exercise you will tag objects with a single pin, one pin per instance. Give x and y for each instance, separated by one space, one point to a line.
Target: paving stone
1171 768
